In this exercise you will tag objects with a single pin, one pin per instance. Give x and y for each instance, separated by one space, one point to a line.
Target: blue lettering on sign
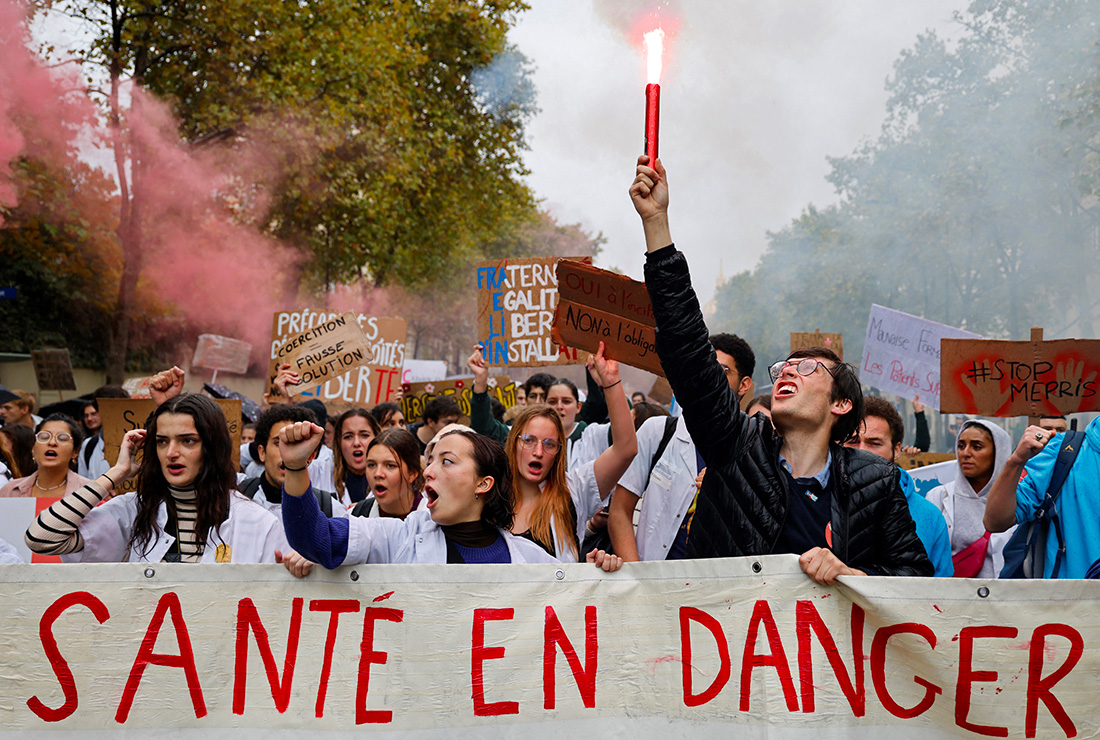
496 353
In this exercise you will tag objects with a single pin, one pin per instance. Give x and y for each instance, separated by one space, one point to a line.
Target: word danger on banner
1001 378
516 302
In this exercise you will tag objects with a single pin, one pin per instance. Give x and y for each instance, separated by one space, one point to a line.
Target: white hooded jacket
960 504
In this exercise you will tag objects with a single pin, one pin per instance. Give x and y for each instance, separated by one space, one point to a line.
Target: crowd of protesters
809 469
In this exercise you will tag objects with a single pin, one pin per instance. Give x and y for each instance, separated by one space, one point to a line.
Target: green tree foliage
374 137
976 206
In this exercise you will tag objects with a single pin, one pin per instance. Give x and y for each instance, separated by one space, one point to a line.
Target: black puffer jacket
743 504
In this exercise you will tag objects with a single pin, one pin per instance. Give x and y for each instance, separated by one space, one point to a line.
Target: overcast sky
755 95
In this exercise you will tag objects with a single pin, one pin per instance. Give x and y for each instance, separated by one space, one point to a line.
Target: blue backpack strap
1067 454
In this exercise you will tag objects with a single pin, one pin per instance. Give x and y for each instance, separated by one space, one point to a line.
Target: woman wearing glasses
56 445
554 502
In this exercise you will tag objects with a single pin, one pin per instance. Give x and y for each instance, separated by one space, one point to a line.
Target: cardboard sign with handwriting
603 306
120 415
417 395
516 299
321 353
367 384
53 370
810 339
214 352
999 378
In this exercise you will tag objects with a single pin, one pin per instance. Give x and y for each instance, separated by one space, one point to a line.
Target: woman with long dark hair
17 449
184 509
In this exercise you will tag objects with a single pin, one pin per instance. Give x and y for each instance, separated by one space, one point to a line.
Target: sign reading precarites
720 648
995 378
603 306
901 354
515 311
120 415
375 381
214 352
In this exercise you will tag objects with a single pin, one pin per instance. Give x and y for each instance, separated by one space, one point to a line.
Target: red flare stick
652 121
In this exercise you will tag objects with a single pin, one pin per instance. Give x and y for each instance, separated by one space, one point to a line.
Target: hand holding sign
127 463
166 384
604 371
476 363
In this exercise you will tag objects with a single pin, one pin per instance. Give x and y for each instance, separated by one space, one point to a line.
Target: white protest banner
423 371
928 477
901 354
745 648
366 385
16 514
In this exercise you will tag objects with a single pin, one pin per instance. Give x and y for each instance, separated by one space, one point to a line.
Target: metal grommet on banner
560 575
983 592
149 572
757 567
355 575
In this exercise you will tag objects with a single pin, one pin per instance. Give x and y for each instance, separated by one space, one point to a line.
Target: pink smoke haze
201 253
48 104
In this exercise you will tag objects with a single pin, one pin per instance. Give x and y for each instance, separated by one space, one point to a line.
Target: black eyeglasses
804 367
529 441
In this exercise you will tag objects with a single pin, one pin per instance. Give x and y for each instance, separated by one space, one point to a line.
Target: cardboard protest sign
727 647
120 415
661 392
363 385
515 309
417 395
218 353
333 347
809 339
603 306
901 354
1002 378
53 370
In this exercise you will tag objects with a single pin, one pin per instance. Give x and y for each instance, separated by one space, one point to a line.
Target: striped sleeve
56 531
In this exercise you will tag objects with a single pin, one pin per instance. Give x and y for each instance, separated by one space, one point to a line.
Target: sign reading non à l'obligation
603 306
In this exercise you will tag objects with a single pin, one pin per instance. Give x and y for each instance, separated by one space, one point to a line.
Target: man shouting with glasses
788 489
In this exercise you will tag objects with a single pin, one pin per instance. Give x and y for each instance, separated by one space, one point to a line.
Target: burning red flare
654 44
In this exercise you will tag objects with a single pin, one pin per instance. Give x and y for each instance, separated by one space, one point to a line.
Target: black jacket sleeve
713 417
922 439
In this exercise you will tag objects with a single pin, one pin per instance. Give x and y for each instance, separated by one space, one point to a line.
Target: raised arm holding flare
789 489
